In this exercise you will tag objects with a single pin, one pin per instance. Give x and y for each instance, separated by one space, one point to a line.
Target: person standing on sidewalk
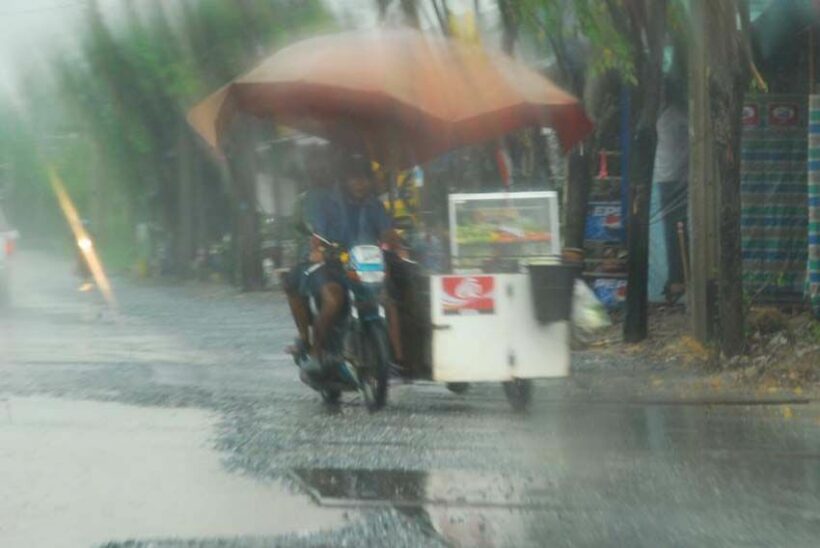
671 178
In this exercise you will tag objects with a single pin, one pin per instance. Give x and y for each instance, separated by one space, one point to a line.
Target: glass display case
499 232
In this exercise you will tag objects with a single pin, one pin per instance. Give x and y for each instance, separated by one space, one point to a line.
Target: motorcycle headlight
373 277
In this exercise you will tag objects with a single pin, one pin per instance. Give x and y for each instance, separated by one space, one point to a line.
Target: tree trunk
243 168
510 22
98 198
641 162
382 5
730 69
730 285
703 219
185 220
251 276
649 35
411 12
442 12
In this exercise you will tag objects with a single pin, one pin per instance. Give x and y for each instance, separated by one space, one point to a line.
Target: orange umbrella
405 96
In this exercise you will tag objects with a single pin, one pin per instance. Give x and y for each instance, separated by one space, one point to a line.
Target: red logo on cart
468 295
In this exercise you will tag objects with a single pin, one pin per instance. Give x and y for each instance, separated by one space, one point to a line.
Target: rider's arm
316 217
393 241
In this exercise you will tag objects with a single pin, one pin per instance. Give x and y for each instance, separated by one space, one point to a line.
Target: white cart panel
486 331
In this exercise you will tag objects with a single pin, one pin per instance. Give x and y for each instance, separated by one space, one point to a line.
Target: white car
8 241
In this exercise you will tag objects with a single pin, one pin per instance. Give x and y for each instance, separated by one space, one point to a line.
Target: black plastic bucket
552 288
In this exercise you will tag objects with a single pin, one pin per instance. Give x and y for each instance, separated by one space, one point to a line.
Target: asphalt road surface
177 421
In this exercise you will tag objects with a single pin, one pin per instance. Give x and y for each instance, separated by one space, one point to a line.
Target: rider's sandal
299 349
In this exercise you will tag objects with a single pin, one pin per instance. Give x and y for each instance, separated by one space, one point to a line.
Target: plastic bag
588 314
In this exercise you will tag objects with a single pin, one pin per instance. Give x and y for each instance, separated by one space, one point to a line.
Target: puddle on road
463 508
85 473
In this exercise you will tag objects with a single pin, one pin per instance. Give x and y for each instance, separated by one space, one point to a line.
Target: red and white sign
751 115
784 114
468 295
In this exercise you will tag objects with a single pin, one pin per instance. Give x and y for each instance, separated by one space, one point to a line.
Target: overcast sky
31 29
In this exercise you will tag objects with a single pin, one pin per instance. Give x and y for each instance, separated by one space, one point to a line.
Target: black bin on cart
552 289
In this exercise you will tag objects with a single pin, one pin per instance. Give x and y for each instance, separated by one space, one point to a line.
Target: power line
44 8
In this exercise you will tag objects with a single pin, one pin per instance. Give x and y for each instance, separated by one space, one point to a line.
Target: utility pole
703 248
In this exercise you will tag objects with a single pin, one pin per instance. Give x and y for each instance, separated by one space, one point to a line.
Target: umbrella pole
392 173
393 192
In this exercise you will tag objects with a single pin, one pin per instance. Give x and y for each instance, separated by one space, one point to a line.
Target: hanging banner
774 220
813 262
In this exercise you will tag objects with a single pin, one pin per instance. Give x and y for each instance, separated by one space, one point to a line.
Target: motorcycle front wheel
331 396
375 374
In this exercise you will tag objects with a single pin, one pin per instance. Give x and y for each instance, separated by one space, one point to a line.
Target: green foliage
614 51
557 21
123 97
815 331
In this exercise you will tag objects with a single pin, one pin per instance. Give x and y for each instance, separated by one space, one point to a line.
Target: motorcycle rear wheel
459 388
519 394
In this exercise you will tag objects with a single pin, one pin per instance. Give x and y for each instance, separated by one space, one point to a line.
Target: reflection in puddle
464 508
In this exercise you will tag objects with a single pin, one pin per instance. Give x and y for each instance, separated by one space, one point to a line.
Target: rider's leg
332 305
300 310
393 294
299 306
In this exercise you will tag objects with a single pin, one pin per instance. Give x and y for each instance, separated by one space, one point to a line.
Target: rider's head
358 176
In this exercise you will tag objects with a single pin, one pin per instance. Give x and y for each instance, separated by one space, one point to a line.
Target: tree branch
411 12
443 15
510 20
382 5
746 44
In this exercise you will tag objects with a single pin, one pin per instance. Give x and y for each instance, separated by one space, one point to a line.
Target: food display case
500 232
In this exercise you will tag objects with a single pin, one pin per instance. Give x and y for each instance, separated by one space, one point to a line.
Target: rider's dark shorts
306 281
292 280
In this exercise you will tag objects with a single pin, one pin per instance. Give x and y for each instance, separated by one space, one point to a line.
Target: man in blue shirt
351 215
347 215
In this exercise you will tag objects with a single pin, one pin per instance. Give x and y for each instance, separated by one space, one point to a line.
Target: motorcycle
361 335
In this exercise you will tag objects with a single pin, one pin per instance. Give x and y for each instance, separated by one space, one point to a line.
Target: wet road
178 422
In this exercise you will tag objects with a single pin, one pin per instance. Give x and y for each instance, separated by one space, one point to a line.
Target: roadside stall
500 313
499 310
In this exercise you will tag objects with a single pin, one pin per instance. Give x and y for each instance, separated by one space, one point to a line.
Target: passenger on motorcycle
346 214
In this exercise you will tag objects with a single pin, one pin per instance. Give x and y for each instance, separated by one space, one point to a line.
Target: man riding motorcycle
347 214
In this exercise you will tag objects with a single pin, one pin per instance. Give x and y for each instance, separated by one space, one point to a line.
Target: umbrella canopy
403 96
